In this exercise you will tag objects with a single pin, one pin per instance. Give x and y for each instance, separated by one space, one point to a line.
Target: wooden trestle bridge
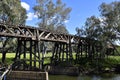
28 42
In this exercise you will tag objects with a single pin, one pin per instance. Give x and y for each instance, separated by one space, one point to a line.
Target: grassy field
109 61
10 56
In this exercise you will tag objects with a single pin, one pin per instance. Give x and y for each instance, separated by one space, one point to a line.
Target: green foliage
62 29
111 14
93 28
12 12
105 28
98 65
52 15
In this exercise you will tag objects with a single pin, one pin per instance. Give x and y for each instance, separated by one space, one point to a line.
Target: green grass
115 58
9 57
110 61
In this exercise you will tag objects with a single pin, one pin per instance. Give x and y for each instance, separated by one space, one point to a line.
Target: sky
81 10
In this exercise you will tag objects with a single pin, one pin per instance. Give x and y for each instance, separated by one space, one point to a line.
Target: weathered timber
27 75
29 39
34 33
31 54
34 54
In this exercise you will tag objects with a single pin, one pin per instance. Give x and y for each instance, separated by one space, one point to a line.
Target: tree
11 13
93 27
94 30
62 29
52 15
106 28
111 14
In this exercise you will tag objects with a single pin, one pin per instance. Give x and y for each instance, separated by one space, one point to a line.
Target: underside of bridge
29 52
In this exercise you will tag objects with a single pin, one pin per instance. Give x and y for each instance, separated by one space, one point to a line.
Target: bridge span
62 49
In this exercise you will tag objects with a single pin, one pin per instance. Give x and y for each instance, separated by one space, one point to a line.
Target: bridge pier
28 51
86 49
61 52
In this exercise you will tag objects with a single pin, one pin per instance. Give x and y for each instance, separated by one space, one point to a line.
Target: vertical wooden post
38 45
67 52
56 50
35 46
60 47
24 49
89 53
20 49
53 51
38 49
24 53
70 49
78 51
30 54
86 48
63 47
17 51
81 49
43 52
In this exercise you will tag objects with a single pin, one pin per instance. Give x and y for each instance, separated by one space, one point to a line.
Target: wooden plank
47 35
27 75
30 32
41 35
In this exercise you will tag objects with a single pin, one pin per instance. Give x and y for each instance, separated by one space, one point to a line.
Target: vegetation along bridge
65 46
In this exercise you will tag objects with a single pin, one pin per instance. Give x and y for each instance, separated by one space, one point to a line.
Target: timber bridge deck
62 49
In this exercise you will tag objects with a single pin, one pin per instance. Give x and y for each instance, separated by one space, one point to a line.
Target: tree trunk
3 56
